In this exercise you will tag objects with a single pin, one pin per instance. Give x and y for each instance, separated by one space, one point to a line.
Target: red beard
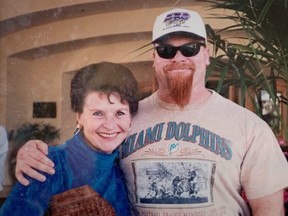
180 85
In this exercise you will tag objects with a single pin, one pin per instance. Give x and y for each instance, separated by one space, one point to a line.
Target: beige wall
70 35
43 79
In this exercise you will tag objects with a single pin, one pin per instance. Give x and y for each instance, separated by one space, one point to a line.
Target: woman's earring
77 129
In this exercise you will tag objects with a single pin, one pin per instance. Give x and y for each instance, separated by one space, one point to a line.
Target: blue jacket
76 164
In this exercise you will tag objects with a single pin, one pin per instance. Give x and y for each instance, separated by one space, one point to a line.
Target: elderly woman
104 98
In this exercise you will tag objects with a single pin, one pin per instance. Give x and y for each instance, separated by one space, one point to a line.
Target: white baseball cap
177 21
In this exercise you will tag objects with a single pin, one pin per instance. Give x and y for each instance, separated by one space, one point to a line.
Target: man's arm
272 204
33 155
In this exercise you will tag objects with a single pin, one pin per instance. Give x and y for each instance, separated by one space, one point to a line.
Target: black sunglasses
167 51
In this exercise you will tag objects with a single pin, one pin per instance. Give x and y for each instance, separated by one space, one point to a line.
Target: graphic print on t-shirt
173 182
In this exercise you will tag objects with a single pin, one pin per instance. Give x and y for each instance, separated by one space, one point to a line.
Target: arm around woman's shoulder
31 156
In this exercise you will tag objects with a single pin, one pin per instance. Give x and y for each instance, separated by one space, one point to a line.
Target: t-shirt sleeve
264 167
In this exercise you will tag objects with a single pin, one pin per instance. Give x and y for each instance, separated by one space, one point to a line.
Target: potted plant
260 61
42 131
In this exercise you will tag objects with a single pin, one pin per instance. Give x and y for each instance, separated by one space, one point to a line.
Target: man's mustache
176 66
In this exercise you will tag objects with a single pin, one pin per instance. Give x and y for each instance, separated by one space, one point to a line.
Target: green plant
28 131
260 60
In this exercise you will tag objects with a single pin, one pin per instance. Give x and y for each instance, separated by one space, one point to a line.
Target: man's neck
197 97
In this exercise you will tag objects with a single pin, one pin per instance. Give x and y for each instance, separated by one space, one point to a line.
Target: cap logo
176 18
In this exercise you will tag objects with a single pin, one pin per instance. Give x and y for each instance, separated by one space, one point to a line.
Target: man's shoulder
229 104
145 102
58 150
234 110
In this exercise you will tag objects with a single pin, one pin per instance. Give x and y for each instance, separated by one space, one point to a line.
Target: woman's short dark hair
104 77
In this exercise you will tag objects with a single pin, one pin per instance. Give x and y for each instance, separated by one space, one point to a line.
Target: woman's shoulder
58 153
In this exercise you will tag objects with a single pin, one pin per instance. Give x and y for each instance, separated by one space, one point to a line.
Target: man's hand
33 154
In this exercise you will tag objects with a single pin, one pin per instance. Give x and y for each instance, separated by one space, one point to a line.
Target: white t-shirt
196 161
3 153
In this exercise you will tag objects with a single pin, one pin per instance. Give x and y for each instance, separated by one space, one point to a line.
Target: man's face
179 76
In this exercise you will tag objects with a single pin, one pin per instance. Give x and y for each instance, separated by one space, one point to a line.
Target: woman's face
105 124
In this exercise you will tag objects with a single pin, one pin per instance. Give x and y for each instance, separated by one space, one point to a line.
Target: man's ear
153 59
207 56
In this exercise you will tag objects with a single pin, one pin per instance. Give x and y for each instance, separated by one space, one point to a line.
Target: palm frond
260 60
